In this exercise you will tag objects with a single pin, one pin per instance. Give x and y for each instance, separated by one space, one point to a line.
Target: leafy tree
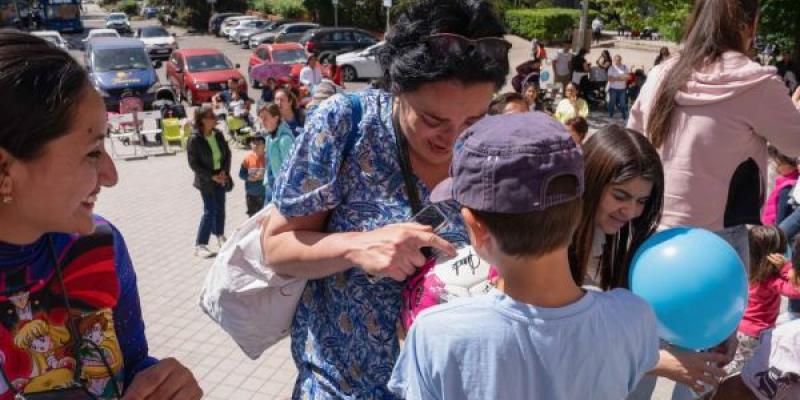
780 23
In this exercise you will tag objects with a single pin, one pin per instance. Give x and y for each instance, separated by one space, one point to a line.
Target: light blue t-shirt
492 347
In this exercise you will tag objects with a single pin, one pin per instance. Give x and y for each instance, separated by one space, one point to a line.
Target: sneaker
202 251
221 239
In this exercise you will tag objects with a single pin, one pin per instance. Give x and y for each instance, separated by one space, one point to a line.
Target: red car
281 53
199 74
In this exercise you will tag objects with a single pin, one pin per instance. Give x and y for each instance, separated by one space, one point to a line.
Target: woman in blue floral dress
344 204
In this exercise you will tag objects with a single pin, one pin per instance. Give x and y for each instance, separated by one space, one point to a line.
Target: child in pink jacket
770 278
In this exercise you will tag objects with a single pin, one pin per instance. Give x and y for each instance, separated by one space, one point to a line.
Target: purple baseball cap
504 164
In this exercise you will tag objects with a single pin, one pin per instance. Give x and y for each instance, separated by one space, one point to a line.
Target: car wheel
349 73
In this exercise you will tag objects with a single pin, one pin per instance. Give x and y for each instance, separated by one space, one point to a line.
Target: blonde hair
36 329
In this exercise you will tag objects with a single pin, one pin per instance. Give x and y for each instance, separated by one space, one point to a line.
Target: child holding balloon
770 278
621 209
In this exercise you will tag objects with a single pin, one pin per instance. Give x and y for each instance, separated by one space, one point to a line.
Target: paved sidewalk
158 210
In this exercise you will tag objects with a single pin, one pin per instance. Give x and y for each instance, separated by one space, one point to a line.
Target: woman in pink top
710 112
770 278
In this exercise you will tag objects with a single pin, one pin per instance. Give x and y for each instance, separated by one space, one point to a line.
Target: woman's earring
5 189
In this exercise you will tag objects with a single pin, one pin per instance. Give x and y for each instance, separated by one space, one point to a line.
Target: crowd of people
558 213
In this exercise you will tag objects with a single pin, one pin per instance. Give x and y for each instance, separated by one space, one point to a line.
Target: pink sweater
764 302
726 114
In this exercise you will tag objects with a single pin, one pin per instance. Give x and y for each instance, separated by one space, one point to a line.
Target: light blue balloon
696 284
544 76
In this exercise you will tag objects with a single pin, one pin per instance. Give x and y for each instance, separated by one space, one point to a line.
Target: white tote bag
242 294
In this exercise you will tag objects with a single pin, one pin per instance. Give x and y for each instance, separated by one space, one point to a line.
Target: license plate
162 51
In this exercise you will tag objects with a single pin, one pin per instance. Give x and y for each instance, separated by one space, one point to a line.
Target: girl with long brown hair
622 205
709 111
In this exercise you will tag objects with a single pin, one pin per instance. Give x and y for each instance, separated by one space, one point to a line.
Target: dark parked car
291 33
215 22
327 42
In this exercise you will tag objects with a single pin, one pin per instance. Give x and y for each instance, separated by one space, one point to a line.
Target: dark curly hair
41 88
407 62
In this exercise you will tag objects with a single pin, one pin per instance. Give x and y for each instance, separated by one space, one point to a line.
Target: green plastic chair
171 131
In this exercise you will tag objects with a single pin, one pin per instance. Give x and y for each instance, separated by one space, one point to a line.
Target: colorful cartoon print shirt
344 335
37 349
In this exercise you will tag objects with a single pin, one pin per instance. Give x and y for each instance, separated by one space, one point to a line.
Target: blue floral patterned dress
344 335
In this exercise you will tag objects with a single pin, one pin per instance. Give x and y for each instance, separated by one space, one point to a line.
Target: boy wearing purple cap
519 180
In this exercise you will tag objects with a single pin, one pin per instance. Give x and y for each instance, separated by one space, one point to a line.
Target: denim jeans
213 219
618 99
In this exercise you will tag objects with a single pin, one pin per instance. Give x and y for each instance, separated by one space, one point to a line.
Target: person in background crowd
597 29
291 114
311 74
252 172
268 91
618 76
210 160
578 128
786 64
343 209
778 206
324 90
65 272
663 55
580 67
532 95
571 106
508 103
562 65
280 140
710 111
603 63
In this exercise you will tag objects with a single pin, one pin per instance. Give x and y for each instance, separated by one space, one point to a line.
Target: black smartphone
431 216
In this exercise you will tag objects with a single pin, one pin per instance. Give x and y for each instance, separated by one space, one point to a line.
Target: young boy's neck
544 281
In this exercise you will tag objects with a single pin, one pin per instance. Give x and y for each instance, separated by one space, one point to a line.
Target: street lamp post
584 22
336 13
388 5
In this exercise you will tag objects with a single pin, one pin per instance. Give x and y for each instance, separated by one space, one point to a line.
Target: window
153 31
341 36
299 28
362 38
120 60
208 62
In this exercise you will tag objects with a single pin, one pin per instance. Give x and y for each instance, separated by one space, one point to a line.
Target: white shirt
311 76
618 71
597 25
563 59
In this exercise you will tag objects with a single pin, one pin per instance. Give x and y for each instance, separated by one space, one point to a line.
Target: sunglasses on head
451 44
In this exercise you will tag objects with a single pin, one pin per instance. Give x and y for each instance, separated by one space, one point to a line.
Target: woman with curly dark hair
363 167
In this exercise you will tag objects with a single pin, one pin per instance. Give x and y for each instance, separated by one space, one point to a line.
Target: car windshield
154 31
120 59
293 56
207 62
116 17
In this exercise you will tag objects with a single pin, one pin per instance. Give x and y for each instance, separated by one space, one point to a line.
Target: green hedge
547 24
129 7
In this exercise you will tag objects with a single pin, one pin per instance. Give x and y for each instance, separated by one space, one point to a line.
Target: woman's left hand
168 379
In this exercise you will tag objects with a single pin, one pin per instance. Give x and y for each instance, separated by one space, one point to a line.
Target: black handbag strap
404 160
